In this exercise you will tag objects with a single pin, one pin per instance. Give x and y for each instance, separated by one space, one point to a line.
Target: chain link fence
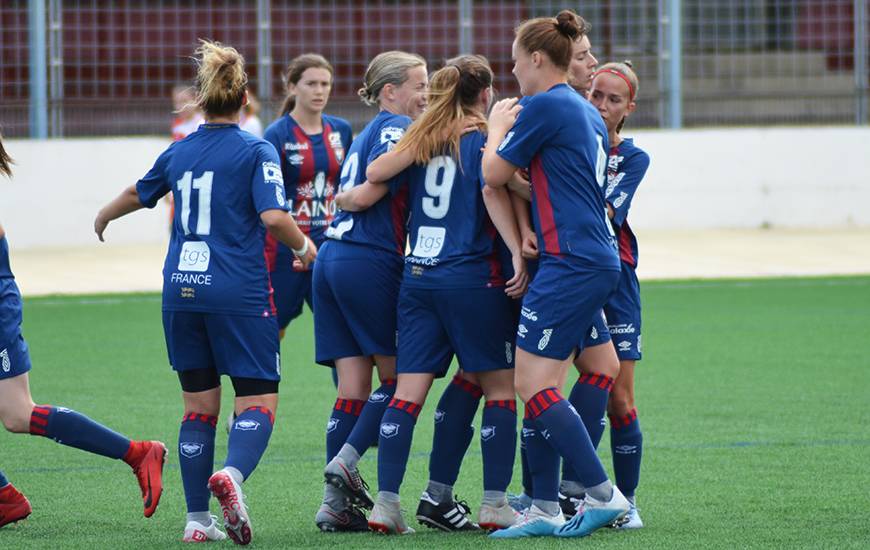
110 66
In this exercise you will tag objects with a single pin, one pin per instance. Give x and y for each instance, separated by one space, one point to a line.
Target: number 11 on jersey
202 184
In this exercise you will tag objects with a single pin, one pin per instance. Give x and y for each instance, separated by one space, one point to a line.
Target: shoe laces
462 506
357 479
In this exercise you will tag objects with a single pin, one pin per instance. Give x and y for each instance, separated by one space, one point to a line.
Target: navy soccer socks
394 446
365 433
543 463
248 440
589 398
498 443
196 459
452 436
344 417
73 429
626 442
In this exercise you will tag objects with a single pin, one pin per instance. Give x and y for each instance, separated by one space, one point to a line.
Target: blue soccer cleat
594 514
533 523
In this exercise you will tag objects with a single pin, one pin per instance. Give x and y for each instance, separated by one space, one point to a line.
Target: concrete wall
733 178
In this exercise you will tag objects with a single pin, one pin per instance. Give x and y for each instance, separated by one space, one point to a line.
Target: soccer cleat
330 520
569 505
147 459
533 523
14 506
232 501
520 502
347 480
194 531
492 518
448 516
594 514
631 520
386 518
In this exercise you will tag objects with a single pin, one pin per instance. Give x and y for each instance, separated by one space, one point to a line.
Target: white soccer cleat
194 531
229 494
594 514
491 518
386 518
533 523
631 520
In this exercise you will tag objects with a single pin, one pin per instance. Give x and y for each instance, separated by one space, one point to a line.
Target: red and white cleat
147 459
13 505
232 501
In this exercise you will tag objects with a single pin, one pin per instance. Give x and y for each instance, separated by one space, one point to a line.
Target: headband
620 75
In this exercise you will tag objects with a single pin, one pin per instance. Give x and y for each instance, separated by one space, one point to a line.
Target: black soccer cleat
448 516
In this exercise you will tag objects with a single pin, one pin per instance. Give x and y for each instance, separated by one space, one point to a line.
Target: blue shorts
623 316
561 305
597 334
235 345
291 290
14 358
356 290
474 324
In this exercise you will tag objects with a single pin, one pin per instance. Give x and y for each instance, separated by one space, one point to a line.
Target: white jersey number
349 170
600 163
202 184
438 203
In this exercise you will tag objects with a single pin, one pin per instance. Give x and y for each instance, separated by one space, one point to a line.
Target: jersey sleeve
533 127
271 135
620 195
154 185
267 183
388 135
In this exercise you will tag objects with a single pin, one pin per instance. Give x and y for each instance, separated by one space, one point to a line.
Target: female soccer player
311 146
217 315
20 415
454 297
356 288
613 93
560 138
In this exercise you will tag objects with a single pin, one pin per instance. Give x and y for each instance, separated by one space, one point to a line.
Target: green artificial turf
754 397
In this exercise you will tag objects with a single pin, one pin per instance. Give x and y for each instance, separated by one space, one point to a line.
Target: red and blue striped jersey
452 239
221 178
560 138
383 225
626 167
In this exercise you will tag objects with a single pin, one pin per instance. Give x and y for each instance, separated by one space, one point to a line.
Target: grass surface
754 397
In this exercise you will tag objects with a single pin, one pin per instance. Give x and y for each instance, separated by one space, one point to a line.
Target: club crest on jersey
545 339
487 433
378 397
332 424
389 429
337 147
4 355
391 134
246 425
189 449
439 416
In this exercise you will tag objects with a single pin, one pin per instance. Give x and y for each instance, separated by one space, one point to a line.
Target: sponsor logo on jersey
508 352
439 415
428 262
296 159
506 140
625 449
272 172
529 314
487 433
378 397
189 449
194 256
389 429
246 425
331 425
622 328
4 355
391 134
430 241
290 146
620 199
625 345
522 331
545 339
613 180
190 279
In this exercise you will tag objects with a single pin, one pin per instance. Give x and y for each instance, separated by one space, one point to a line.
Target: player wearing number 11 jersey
217 314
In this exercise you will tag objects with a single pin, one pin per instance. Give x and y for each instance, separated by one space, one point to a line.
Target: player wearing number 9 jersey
217 314
560 137
356 286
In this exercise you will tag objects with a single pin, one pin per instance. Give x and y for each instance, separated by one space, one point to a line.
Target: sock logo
545 339
439 415
378 397
63 410
332 424
389 429
528 432
7 365
189 449
246 425
625 449
487 433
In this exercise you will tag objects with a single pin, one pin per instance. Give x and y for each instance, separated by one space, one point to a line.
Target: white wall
731 178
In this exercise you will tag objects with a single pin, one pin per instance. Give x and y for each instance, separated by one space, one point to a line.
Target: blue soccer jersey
560 138
382 225
10 298
452 239
625 169
222 179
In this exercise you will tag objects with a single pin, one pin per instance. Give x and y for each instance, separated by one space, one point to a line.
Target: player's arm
389 164
125 203
280 224
496 170
361 197
519 185
501 212
524 223
610 211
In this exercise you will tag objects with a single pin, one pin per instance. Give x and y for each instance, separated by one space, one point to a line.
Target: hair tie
620 75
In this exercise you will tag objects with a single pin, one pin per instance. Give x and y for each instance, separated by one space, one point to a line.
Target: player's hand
503 115
519 182
516 286
302 263
530 246
100 224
